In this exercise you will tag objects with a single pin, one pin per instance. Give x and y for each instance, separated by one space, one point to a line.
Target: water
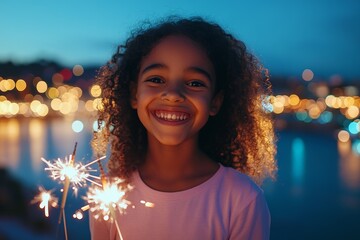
316 194
22 144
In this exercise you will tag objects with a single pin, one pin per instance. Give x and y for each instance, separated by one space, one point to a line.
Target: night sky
287 36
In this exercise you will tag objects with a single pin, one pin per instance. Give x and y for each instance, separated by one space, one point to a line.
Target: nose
173 94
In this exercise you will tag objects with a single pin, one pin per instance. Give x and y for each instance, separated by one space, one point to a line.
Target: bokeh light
354 127
307 75
41 86
294 100
343 136
352 112
20 85
96 126
95 90
7 85
66 74
77 126
78 70
326 117
57 78
97 104
52 93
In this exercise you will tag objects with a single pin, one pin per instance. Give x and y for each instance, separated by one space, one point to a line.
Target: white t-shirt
227 206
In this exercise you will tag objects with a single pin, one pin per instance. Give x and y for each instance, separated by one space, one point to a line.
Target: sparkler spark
147 204
45 198
79 213
78 174
104 200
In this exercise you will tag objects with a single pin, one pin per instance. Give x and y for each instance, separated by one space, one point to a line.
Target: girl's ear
133 91
216 103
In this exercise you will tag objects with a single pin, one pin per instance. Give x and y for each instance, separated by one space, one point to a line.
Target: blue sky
287 36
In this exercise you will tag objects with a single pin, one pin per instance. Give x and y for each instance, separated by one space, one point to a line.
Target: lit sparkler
70 173
45 198
106 199
110 197
77 173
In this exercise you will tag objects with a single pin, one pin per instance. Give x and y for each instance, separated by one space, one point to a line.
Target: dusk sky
287 36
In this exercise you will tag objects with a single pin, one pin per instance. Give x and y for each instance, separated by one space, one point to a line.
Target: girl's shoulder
238 184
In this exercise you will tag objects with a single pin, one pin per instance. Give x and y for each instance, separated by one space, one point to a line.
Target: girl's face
174 92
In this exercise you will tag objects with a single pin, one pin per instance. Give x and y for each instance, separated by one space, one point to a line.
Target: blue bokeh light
353 128
77 126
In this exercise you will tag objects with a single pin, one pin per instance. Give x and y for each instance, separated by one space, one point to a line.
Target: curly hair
241 135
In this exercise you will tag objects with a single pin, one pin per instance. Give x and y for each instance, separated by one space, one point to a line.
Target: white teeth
171 116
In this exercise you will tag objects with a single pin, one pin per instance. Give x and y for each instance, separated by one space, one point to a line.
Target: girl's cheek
144 92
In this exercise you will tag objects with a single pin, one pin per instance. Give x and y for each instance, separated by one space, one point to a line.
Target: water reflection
314 185
298 160
63 138
349 165
37 143
9 143
24 141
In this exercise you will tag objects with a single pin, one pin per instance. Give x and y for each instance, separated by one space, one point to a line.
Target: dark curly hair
241 135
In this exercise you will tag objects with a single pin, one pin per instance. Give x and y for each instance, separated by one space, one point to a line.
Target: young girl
182 108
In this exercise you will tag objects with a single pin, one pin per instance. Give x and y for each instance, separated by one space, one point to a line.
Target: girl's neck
174 168
173 158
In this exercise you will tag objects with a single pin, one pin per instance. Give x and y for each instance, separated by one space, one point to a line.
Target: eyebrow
153 66
201 71
192 69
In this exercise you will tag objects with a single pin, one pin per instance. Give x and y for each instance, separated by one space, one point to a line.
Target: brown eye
155 80
196 84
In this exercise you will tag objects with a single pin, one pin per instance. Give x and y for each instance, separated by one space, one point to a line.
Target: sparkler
105 197
44 198
78 174
70 173
106 200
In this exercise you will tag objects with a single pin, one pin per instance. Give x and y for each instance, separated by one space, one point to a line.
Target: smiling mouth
172 116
